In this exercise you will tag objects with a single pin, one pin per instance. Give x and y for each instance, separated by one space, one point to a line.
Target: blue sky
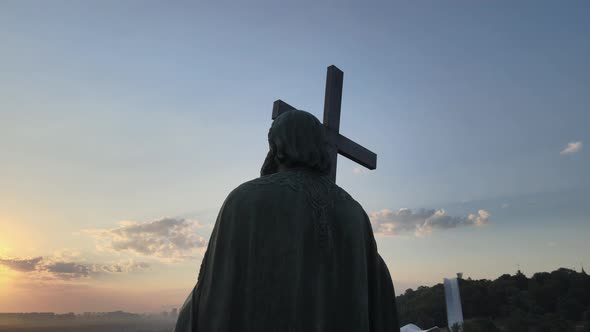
138 110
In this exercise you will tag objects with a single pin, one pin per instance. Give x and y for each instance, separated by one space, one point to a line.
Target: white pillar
453 300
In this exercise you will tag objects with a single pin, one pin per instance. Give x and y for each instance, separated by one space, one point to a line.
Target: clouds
167 239
52 268
66 270
571 148
421 221
22 265
358 170
121 267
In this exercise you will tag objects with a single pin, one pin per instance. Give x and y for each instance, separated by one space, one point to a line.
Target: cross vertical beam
332 104
333 98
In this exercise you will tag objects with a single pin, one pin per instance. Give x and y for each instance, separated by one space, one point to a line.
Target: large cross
337 142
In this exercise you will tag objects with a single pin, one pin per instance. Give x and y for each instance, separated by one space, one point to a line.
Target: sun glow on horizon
18 236
6 279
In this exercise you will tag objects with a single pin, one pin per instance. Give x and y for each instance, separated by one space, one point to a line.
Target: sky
125 124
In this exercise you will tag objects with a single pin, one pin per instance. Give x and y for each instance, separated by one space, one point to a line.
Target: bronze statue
291 251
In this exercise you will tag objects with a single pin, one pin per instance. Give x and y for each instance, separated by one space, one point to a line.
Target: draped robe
291 252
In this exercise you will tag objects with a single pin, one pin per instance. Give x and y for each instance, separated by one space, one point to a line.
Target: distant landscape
555 301
116 321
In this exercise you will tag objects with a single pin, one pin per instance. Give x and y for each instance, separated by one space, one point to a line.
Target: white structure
414 328
454 308
453 300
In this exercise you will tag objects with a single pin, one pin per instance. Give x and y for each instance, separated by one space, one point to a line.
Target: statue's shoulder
268 187
276 181
320 192
341 193
319 187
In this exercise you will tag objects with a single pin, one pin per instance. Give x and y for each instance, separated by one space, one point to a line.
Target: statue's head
297 139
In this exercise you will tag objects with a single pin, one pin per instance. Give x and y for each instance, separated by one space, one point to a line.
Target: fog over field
117 321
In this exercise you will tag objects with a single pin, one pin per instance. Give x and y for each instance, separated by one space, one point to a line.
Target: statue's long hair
297 139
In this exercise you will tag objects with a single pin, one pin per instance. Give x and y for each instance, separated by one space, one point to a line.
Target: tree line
546 302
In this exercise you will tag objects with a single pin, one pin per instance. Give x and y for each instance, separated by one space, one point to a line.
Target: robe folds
291 252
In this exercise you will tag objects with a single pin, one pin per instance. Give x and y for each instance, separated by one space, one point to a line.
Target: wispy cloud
22 265
571 148
54 268
68 270
120 267
421 221
358 170
167 239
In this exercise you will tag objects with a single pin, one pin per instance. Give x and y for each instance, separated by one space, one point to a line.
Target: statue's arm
220 270
383 305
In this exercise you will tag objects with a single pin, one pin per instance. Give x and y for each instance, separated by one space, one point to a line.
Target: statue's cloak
291 252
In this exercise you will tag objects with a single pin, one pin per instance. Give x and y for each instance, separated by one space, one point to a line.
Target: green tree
480 325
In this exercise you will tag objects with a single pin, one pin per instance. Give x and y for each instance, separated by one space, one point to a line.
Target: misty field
79 326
